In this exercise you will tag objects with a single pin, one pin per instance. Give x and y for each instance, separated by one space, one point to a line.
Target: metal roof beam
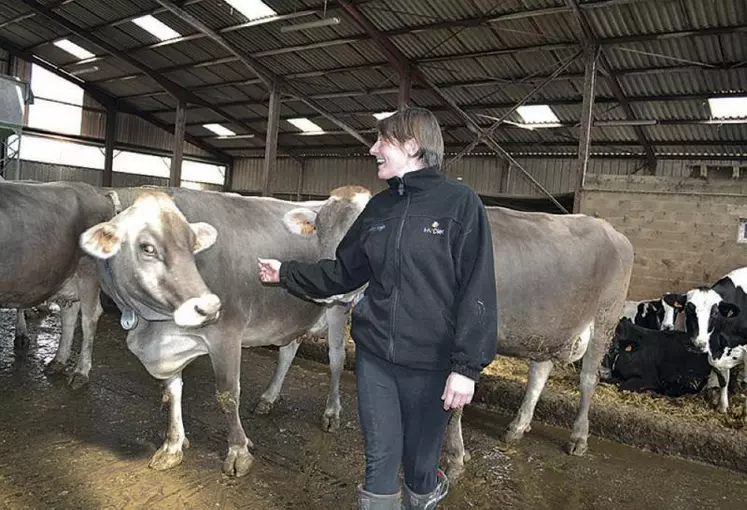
523 80
177 91
505 115
572 144
481 107
108 100
557 46
400 61
589 38
560 125
266 75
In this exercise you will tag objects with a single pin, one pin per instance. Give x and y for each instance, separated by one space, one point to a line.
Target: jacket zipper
398 259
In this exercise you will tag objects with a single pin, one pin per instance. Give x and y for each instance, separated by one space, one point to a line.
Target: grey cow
562 282
40 258
162 274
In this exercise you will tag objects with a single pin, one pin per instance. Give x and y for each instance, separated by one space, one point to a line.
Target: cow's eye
148 249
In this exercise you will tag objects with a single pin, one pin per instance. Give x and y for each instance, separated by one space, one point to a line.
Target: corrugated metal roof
682 66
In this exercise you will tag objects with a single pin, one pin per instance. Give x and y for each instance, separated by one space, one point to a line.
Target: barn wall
46 172
486 175
131 130
684 231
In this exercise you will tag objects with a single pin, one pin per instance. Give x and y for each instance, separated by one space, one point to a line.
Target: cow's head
670 314
650 314
706 314
329 220
150 250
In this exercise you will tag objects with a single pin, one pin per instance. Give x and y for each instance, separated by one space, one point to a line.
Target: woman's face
393 159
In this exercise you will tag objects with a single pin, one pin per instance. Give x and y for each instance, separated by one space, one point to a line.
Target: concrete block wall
684 230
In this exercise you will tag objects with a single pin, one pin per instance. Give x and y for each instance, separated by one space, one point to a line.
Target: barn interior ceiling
501 76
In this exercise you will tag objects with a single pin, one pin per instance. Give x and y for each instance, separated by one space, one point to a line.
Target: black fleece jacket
424 246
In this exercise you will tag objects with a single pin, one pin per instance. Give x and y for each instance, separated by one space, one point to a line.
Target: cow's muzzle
197 311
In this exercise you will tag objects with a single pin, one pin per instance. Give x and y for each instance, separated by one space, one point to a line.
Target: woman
427 324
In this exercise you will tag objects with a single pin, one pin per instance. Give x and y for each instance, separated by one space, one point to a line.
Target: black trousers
403 422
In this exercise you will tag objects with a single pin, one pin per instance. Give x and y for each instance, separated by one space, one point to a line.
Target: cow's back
40 224
553 273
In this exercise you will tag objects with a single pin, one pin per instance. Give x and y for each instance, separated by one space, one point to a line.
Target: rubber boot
414 501
370 501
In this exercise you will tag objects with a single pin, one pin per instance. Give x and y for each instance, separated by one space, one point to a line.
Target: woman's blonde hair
416 124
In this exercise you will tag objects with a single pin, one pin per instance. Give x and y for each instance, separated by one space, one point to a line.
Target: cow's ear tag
129 319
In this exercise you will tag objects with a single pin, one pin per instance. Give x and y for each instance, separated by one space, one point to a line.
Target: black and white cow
653 314
40 259
181 300
716 323
659 361
573 271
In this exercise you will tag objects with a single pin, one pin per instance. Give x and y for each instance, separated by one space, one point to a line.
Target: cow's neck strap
130 314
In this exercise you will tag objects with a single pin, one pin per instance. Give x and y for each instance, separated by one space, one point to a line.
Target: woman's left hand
458 391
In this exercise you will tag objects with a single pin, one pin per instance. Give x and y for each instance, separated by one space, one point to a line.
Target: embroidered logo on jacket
433 229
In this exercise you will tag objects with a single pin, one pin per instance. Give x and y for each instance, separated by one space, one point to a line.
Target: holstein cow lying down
652 314
159 270
659 361
40 259
716 323
573 272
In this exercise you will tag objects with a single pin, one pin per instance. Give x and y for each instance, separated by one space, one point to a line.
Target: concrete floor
90 449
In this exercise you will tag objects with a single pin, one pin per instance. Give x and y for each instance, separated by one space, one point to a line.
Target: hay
690 408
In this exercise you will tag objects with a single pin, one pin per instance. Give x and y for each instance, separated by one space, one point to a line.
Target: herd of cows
181 267
683 343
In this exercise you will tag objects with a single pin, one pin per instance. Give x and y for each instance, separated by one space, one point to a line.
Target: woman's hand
458 391
269 270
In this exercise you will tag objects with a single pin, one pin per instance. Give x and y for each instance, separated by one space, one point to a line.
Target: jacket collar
419 180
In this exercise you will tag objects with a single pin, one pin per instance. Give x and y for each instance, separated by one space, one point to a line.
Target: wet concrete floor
90 449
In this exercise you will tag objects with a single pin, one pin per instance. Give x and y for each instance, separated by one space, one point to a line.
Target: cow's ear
300 221
675 300
728 310
205 235
101 241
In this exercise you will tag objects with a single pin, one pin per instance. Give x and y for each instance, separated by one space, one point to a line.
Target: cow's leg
539 371
602 332
723 381
90 312
227 367
69 316
286 355
713 388
170 454
22 341
337 319
456 455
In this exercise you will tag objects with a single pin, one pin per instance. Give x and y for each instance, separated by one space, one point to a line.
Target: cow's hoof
263 407
722 409
163 459
186 444
513 436
330 422
577 447
238 462
22 343
54 367
77 380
